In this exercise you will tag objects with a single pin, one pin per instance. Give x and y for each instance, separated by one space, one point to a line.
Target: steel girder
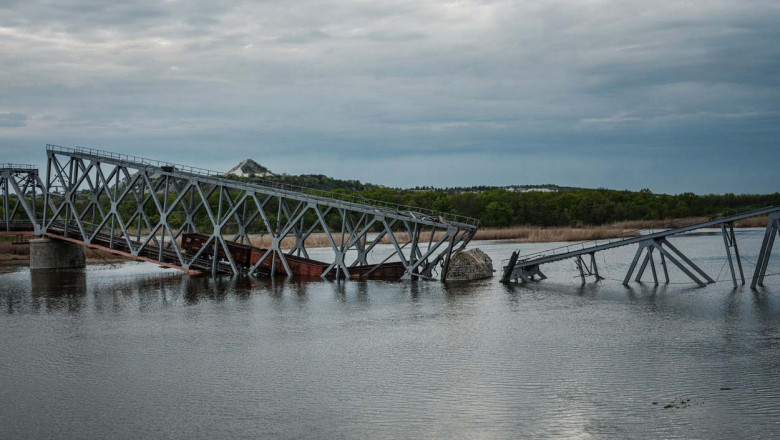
141 207
23 193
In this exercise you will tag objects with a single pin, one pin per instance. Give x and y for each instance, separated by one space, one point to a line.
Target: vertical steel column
114 205
6 214
163 218
663 265
594 267
579 264
446 266
215 223
34 206
652 266
46 197
726 240
736 252
68 195
772 228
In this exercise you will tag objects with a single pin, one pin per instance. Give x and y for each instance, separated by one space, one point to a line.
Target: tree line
502 208
566 206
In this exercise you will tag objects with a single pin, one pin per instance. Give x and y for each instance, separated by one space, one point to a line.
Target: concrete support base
46 253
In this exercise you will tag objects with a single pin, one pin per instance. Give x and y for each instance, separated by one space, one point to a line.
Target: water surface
139 352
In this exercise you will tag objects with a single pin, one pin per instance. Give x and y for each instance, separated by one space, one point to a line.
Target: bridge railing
18 166
311 192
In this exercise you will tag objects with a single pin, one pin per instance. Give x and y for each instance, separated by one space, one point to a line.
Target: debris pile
472 264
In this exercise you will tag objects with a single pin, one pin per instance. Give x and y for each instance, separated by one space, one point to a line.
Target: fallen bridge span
141 208
527 267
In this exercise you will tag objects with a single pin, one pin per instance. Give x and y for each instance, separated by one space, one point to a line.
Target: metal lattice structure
23 194
142 208
527 267
772 229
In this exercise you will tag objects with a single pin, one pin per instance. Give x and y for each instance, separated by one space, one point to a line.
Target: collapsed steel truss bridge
527 267
142 208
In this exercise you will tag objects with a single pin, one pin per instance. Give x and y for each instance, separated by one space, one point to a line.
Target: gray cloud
552 82
12 120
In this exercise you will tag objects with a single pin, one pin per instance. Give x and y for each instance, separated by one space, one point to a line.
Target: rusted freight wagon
242 254
298 265
247 256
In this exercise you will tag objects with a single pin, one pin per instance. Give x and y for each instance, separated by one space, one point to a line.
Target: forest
499 207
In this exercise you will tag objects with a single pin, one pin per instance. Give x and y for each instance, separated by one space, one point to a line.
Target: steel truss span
142 208
23 197
526 267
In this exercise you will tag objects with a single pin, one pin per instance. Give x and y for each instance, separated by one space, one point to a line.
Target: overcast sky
672 95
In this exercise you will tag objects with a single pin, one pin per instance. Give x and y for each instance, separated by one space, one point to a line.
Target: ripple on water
139 352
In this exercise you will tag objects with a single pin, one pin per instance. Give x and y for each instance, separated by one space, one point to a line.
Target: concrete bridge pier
46 253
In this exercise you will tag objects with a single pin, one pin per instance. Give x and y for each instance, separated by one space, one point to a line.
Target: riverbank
14 255
538 234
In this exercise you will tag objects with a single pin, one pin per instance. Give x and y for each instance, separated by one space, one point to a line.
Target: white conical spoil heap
249 167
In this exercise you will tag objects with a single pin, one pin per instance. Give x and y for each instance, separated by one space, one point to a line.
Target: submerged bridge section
199 221
527 267
23 197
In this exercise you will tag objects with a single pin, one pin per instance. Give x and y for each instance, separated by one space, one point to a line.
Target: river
136 351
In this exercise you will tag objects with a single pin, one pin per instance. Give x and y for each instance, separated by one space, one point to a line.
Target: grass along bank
537 234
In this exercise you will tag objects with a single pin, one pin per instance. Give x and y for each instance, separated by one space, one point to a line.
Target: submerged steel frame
22 191
647 247
520 267
772 229
587 269
141 207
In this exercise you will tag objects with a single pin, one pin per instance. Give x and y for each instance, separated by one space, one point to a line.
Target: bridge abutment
46 253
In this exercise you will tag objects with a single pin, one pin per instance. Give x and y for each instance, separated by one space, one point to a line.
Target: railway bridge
527 267
197 220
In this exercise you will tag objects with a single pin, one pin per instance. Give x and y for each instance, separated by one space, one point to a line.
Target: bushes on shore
501 208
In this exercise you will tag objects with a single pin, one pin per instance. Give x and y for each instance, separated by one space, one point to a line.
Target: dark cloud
368 87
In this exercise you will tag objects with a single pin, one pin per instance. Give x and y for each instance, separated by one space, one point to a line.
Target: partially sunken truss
142 208
527 267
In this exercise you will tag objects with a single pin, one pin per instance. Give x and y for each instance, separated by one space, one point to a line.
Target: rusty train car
246 256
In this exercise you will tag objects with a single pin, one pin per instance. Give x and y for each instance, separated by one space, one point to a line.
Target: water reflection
56 290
